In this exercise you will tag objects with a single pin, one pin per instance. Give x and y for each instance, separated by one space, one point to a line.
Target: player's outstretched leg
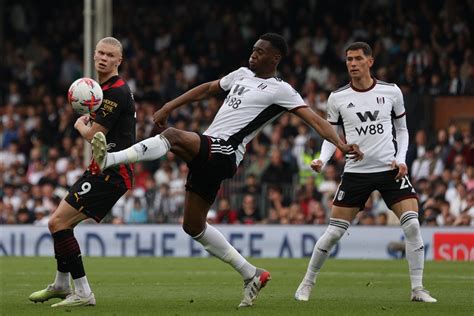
415 254
334 232
149 149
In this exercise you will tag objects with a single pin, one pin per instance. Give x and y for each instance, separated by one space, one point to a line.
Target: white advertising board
265 241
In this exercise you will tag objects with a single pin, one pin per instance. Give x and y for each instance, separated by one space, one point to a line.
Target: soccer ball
85 96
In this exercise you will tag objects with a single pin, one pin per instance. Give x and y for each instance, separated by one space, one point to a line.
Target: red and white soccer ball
85 96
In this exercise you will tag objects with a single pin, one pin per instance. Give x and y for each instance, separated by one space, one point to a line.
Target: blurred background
425 47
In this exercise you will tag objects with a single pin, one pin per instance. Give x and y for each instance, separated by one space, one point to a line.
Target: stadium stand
424 47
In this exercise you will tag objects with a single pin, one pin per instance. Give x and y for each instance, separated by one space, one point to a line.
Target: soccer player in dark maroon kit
94 194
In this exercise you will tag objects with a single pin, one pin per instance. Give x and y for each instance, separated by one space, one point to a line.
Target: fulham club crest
380 100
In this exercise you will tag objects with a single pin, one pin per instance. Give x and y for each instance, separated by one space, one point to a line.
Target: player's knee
172 135
192 230
57 223
411 228
53 224
332 234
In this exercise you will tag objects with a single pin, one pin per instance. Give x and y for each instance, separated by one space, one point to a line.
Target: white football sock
62 280
334 232
81 287
414 249
215 243
148 149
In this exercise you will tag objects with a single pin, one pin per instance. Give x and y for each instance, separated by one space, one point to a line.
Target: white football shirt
251 104
366 117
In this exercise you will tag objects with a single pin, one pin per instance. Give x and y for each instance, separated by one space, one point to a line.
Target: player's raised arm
88 130
200 92
327 132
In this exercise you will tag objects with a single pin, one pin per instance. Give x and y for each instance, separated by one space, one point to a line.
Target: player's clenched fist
353 152
317 165
402 169
160 117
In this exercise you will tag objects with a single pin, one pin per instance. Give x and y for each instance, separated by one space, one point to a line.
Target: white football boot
253 286
304 291
419 294
75 300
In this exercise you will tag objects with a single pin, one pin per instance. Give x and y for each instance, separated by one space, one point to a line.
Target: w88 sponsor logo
371 129
232 101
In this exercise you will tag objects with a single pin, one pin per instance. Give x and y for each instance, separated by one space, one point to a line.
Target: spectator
10 197
436 86
41 217
381 219
140 176
165 209
278 171
138 213
24 216
435 59
316 71
454 83
442 145
416 149
458 148
311 151
251 186
249 214
226 215
468 87
458 199
428 166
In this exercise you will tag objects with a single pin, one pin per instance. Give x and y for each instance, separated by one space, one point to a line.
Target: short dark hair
366 49
277 41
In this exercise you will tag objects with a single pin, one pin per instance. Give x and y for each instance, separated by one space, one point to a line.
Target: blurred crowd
425 47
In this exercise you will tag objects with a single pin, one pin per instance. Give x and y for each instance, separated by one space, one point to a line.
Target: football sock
334 232
81 287
148 149
68 255
215 243
61 281
414 249
62 274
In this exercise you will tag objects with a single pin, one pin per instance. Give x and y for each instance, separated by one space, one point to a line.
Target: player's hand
83 120
402 169
317 165
353 152
160 117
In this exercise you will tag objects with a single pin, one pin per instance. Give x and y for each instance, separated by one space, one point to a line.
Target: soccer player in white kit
368 109
256 97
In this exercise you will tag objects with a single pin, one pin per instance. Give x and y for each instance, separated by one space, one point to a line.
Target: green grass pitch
206 286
